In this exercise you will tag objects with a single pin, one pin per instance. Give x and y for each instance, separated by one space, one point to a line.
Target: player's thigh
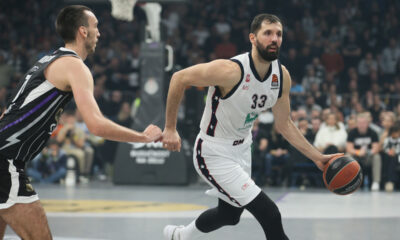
3 226
28 220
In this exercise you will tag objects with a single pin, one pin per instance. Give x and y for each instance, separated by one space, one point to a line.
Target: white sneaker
375 186
170 232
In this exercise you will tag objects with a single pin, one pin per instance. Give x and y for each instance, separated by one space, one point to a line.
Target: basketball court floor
102 211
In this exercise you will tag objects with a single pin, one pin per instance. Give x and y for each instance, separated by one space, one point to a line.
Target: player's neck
260 64
79 50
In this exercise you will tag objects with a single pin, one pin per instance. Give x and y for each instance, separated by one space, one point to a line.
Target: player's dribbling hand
152 133
325 159
171 140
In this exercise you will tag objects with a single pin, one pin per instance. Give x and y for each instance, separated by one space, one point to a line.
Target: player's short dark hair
69 20
260 18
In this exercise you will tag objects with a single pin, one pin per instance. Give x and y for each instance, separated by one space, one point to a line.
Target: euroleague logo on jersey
274 82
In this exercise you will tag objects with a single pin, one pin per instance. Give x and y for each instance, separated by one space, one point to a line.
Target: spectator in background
391 156
49 166
298 162
363 145
73 140
277 157
376 108
92 142
201 33
351 50
222 25
6 72
292 61
387 120
389 60
367 64
109 149
351 123
319 69
226 49
332 60
315 126
297 92
309 79
113 105
3 98
368 42
259 151
310 105
331 137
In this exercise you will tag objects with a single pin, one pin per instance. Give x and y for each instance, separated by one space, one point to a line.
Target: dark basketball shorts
15 186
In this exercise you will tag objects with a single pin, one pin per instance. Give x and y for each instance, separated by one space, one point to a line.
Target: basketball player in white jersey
33 114
239 89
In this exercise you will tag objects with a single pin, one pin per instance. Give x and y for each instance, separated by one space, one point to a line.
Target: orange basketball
342 175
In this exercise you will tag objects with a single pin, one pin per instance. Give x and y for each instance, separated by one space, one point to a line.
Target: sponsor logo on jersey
238 142
248 122
250 118
46 59
274 82
245 87
248 78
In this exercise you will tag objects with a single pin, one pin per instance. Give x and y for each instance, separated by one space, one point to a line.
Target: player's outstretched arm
222 73
81 82
286 127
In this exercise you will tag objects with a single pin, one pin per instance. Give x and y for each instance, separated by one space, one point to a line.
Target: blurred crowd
343 56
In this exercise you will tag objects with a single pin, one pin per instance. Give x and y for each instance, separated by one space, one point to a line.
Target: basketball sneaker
375 186
171 232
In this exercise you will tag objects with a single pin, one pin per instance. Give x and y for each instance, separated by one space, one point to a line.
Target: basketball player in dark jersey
33 114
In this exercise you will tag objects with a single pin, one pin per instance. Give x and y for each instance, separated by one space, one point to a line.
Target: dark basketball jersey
33 113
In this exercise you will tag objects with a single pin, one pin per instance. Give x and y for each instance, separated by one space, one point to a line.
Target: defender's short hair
69 20
260 18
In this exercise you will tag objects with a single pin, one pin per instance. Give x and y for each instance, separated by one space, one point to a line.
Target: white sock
190 232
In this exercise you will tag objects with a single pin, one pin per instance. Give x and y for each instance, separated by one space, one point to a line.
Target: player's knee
235 220
230 219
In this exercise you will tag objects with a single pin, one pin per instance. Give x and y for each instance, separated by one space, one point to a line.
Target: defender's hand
171 140
152 133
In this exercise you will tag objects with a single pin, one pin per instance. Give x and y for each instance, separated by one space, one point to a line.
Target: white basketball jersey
232 116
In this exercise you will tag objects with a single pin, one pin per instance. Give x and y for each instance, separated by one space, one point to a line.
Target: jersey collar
253 69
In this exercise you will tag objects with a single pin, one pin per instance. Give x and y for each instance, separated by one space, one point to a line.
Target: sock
190 232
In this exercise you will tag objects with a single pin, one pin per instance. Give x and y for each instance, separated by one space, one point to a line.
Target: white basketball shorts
226 166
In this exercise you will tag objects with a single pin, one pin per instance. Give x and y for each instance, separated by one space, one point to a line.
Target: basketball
342 175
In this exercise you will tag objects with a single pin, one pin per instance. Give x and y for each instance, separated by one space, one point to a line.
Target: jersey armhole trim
233 90
280 79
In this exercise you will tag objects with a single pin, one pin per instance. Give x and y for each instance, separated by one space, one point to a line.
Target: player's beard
265 53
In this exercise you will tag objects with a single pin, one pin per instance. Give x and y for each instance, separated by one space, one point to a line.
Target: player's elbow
95 127
178 78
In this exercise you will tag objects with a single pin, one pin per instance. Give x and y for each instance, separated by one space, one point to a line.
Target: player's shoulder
224 67
69 63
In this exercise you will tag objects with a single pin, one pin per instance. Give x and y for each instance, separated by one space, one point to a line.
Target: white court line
14 237
292 206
